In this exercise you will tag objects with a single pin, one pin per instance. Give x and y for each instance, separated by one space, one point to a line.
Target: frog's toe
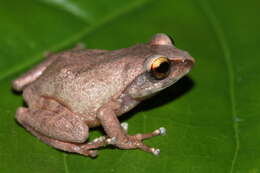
89 153
111 141
162 131
124 125
93 153
99 139
155 151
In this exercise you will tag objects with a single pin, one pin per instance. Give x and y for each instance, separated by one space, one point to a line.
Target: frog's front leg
121 139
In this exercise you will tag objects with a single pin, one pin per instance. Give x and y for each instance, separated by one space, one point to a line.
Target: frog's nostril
189 61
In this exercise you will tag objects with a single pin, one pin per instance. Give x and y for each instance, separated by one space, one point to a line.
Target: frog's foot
135 141
105 140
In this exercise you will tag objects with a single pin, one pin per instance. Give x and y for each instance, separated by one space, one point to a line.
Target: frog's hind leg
54 124
65 146
58 125
31 75
60 132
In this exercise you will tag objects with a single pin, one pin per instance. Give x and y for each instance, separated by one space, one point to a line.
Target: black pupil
163 68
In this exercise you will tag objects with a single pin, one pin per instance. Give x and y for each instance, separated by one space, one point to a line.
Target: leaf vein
66 168
69 7
213 21
75 38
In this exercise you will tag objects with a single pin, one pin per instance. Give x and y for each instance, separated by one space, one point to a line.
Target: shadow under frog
78 89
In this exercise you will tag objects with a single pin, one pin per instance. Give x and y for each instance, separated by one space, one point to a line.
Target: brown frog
75 90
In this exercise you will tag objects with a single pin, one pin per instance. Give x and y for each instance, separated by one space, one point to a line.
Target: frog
72 91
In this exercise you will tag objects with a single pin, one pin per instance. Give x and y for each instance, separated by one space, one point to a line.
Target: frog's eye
159 67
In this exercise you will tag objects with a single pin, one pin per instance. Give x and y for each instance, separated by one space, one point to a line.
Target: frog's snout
181 66
189 62
186 62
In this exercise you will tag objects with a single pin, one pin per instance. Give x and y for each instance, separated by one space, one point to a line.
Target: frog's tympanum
78 89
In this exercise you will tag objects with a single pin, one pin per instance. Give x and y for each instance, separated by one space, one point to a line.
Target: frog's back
83 81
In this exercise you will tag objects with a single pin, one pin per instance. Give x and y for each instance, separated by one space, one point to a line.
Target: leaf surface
212 117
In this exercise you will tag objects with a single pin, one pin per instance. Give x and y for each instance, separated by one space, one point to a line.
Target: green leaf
212 117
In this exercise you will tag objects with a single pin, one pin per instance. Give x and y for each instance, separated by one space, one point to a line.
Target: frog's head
164 65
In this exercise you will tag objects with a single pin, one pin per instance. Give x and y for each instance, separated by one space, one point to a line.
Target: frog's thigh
33 74
63 126
84 149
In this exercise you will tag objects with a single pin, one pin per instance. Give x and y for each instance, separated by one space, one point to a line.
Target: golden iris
160 67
